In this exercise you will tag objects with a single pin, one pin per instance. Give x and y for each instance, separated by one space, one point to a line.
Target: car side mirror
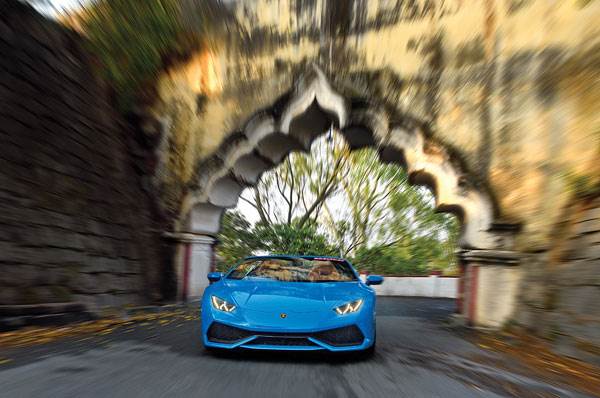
214 276
374 280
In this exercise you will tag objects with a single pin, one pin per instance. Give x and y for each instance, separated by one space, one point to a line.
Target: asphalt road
418 355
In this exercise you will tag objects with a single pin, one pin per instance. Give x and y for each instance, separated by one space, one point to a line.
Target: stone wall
509 87
75 223
562 301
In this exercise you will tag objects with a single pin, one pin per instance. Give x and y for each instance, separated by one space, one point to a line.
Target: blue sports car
290 303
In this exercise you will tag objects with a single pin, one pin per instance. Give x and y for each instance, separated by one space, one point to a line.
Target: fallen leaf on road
536 357
40 335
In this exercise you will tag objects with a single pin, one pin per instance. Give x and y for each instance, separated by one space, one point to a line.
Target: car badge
282 315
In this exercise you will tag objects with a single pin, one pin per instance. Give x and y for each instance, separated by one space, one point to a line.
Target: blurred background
452 146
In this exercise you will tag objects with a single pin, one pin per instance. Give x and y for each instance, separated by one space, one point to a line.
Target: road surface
418 355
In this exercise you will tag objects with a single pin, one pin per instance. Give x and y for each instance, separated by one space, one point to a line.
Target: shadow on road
307 357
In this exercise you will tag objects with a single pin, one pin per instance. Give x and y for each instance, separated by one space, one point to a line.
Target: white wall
200 263
419 286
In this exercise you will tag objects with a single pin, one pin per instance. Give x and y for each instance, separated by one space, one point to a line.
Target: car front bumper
345 338
227 336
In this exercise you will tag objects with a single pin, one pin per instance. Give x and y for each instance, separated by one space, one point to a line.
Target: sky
246 209
53 7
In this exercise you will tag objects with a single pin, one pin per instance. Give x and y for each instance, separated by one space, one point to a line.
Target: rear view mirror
374 280
214 276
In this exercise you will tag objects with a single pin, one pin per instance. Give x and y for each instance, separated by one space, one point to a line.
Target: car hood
291 296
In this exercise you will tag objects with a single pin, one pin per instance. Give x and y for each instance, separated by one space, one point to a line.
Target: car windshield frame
313 267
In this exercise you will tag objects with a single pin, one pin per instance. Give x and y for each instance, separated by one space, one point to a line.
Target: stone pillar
194 260
490 280
460 293
490 283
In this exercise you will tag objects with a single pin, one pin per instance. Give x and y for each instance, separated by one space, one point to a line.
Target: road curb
60 314
13 317
8 324
128 312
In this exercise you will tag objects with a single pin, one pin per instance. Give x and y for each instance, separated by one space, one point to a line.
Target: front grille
340 337
220 333
348 335
282 341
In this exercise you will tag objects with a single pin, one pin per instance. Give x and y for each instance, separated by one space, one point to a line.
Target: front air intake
220 333
340 337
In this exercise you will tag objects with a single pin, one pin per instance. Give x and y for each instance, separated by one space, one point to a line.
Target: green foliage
418 256
336 202
412 255
238 239
386 260
134 39
293 239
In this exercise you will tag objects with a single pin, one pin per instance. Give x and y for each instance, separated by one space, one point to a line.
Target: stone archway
307 112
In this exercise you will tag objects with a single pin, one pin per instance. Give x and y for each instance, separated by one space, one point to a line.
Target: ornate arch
309 110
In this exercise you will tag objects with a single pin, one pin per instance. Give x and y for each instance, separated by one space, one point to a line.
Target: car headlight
221 305
348 308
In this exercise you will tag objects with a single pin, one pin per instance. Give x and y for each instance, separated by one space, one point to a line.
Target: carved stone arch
430 165
266 141
248 168
313 90
268 138
367 127
292 124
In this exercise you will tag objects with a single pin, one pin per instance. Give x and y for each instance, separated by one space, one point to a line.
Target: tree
386 260
294 238
135 40
239 239
298 189
236 240
367 188
336 202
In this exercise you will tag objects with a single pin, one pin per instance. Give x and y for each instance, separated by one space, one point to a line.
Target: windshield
294 270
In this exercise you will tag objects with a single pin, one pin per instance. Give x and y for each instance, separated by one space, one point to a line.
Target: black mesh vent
283 341
340 337
219 333
349 335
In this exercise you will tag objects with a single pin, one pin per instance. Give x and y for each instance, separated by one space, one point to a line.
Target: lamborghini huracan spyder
290 303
